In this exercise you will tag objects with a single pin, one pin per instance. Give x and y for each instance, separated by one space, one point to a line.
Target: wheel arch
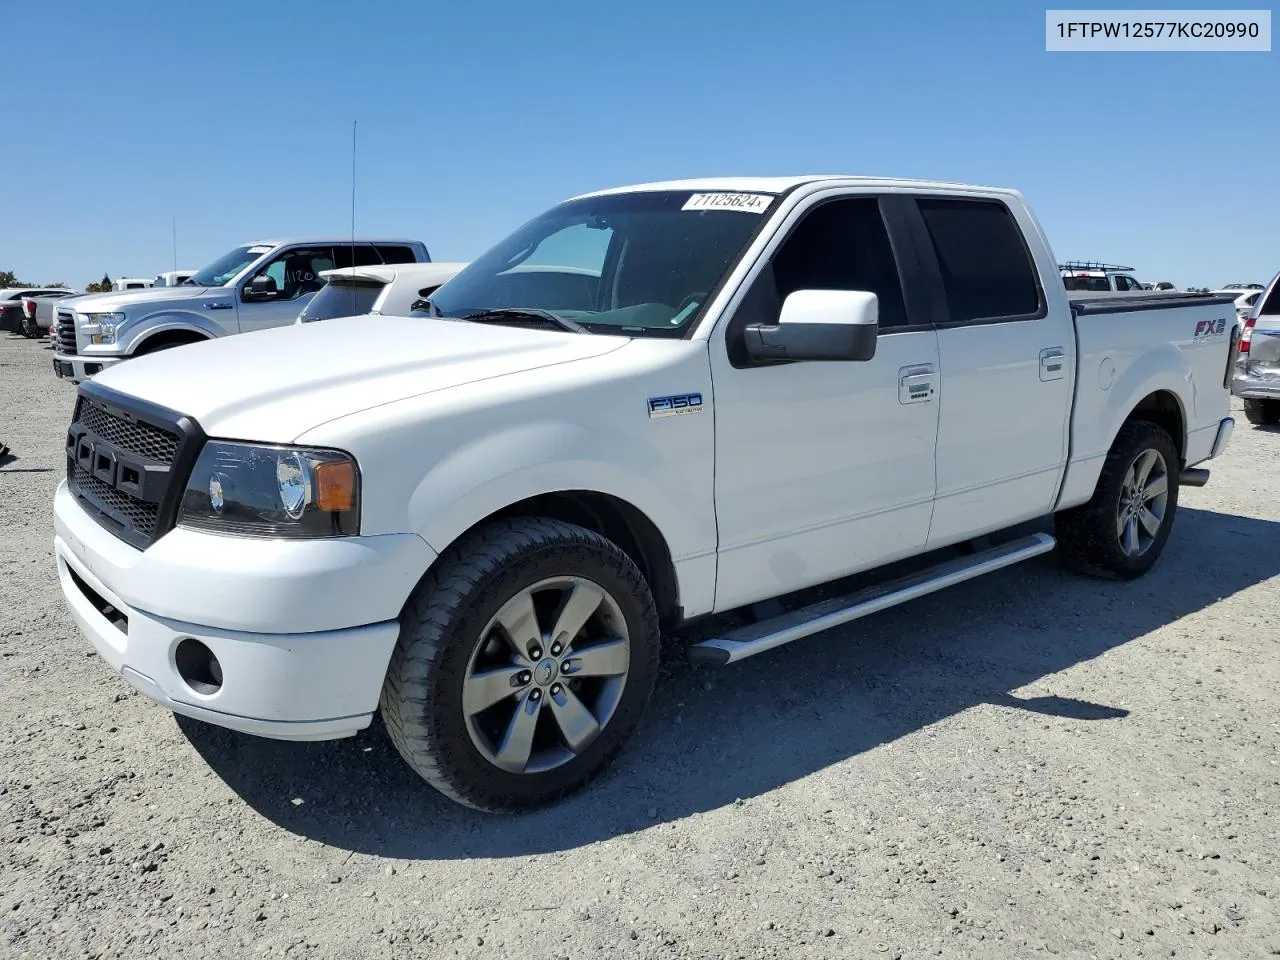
1159 402
172 337
618 521
1164 409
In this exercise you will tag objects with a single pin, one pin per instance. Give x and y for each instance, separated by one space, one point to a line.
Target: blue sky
235 118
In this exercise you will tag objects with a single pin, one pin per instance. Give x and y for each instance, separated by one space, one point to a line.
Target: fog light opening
198 667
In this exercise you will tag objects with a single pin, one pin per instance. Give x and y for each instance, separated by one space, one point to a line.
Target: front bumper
302 631
76 368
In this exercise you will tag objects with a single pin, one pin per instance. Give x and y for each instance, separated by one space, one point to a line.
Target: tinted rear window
987 272
1272 304
341 300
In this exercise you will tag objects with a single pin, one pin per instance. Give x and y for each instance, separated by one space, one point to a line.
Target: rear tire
1263 413
480 717
1122 530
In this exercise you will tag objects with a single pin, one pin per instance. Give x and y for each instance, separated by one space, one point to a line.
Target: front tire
1122 530
1262 413
525 660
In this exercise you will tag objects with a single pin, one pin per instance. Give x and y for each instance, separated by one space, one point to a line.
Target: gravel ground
1027 764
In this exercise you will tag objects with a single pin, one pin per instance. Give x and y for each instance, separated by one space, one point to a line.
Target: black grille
137 513
65 333
128 462
140 438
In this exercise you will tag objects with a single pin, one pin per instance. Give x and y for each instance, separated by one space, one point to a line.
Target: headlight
262 491
106 324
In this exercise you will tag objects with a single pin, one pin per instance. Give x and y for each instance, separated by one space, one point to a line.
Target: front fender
537 458
190 321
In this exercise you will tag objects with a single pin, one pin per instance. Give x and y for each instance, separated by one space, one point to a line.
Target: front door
294 277
824 468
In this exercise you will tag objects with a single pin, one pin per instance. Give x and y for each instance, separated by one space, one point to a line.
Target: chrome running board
758 637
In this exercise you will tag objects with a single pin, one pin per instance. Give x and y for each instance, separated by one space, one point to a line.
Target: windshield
341 299
227 267
633 264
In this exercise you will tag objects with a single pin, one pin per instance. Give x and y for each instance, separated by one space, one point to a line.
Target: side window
396 254
1127 283
839 245
370 255
297 272
987 270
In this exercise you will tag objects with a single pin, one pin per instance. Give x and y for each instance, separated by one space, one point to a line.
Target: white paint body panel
789 476
820 470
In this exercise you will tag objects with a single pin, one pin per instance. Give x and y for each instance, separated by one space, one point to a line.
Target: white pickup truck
646 405
254 286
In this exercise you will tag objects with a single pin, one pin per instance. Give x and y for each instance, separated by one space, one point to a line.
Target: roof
321 238
782 184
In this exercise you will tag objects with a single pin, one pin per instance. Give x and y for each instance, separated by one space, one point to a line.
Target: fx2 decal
1210 328
674 406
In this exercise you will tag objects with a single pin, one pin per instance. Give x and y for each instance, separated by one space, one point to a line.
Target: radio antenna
175 243
353 191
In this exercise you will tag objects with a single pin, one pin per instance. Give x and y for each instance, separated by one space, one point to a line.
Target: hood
120 301
274 385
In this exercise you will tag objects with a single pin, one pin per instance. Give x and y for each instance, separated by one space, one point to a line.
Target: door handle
1053 363
917 384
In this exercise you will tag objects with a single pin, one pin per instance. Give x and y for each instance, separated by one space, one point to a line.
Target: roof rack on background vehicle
1090 265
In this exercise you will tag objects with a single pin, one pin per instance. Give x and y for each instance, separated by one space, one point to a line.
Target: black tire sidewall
1134 440
1262 412
458 758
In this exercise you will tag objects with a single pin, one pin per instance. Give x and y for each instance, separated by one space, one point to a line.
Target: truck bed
1156 344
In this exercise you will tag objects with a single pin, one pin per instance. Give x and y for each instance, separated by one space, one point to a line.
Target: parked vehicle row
13 300
646 405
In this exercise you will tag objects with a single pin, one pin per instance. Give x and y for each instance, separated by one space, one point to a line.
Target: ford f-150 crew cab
646 405
253 287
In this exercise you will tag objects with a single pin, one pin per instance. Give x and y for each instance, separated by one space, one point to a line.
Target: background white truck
645 406
252 287
383 289
1088 276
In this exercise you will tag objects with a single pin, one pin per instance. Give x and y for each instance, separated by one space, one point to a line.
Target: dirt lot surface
1026 765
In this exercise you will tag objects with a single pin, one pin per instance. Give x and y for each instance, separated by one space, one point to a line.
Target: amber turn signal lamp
335 486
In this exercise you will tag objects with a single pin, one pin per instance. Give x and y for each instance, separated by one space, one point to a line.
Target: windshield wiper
518 314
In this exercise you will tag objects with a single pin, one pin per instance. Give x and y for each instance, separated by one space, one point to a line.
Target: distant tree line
10 279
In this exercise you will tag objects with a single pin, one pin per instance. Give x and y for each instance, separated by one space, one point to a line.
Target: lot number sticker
746 202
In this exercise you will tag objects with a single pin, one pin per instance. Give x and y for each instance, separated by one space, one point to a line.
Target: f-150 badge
674 406
1210 328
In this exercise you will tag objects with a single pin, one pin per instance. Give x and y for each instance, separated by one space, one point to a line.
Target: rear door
1006 366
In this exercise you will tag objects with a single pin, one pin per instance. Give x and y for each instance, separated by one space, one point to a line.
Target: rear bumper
1255 387
77 368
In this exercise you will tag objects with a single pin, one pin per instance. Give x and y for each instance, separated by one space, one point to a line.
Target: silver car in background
1257 373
